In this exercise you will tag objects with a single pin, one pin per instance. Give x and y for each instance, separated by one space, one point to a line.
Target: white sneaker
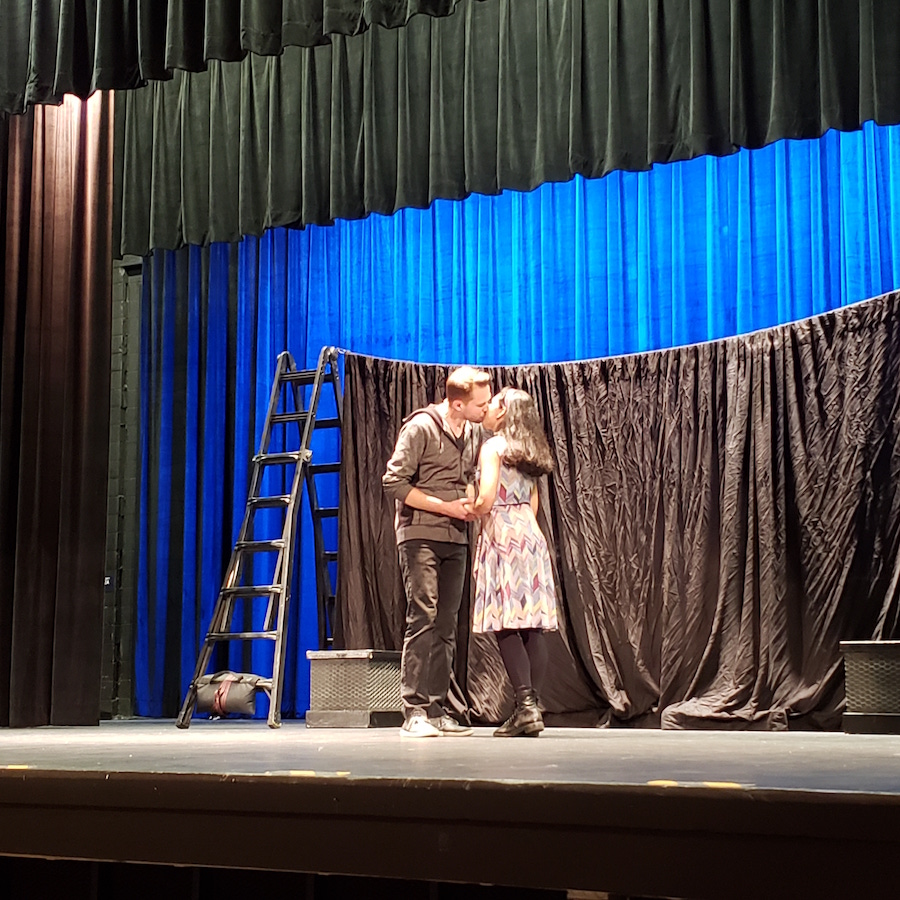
418 726
449 727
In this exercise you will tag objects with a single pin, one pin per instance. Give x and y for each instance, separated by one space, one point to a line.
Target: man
430 476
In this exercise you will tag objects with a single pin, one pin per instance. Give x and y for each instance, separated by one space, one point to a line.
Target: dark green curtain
49 48
503 94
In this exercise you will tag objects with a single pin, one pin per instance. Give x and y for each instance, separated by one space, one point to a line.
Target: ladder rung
251 590
278 459
304 376
328 423
269 502
325 468
241 635
326 512
330 555
282 418
260 546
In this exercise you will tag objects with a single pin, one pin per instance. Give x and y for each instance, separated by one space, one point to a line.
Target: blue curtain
683 253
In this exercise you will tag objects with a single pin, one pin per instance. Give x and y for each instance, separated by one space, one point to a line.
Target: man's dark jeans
434 574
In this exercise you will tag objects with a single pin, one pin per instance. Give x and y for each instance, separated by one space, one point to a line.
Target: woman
515 596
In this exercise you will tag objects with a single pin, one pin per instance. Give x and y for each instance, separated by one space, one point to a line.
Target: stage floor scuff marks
633 812
809 761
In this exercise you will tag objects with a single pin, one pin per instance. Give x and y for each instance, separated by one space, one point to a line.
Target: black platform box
354 689
872 672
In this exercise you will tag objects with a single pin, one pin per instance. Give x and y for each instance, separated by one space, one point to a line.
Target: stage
639 813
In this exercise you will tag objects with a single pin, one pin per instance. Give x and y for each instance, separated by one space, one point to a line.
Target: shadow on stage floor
319 813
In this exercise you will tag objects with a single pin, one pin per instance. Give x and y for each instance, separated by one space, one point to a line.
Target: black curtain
723 515
503 94
55 200
49 48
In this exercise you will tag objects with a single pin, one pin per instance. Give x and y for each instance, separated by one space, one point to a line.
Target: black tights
524 654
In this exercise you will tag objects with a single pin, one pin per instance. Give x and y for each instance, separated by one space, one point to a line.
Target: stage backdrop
500 95
688 252
722 516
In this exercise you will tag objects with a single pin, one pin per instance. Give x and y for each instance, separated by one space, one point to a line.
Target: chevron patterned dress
513 578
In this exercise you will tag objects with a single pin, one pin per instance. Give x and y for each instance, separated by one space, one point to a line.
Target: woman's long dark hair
526 444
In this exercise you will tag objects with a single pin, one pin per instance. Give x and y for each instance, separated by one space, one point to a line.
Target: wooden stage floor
694 814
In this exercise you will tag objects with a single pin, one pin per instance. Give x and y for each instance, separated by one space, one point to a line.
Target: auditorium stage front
640 813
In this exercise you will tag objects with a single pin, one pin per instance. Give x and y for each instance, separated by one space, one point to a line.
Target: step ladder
326 544
293 406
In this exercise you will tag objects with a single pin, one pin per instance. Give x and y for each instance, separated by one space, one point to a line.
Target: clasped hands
463 509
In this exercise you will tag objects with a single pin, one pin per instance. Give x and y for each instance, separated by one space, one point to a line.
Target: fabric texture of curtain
49 48
723 516
694 251
499 95
214 322
55 311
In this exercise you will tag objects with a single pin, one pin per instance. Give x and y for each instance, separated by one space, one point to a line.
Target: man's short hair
462 381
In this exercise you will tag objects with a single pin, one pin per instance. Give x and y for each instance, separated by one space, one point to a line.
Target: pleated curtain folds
502 94
691 252
49 48
55 311
722 516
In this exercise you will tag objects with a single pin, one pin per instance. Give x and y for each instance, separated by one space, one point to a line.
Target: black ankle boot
526 718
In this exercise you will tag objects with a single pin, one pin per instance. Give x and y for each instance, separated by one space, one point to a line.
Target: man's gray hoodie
429 457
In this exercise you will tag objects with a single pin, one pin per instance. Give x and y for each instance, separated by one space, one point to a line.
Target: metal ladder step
283 458
216 636
251 590
287 417
260 546
269 502
325 468
300 377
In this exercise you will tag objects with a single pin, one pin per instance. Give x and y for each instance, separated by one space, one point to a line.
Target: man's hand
458 509
453 509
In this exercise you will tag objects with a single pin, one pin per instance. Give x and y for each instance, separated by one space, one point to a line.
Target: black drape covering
49 48
55 334
503 94
722 516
